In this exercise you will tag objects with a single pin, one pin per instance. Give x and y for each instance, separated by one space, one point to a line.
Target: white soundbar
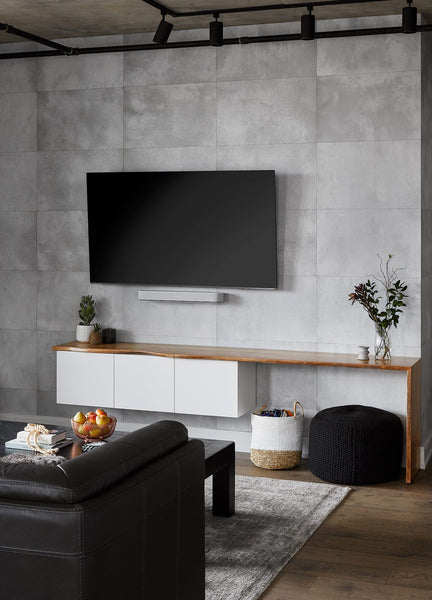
179 296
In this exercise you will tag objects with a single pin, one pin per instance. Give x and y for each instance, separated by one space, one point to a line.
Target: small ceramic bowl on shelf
92 430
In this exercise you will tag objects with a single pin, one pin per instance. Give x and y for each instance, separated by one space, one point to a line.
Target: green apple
102 420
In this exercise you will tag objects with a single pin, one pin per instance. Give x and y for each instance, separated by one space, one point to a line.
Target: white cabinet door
85 379
214 387
144 382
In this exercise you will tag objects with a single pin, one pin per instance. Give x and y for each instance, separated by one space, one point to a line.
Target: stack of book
55 439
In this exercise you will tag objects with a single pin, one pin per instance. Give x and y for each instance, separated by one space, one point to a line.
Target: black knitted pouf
355 445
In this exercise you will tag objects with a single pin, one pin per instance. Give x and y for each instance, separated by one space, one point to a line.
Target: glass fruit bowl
93 431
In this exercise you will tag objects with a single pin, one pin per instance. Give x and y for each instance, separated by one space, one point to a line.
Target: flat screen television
204 228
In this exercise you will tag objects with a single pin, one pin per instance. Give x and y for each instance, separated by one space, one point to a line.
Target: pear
79 417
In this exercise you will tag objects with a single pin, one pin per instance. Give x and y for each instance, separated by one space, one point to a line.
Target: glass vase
382 343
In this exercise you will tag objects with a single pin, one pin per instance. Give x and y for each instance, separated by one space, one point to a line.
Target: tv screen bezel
148 284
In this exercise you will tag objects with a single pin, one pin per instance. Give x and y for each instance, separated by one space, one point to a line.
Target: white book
54 436
16 444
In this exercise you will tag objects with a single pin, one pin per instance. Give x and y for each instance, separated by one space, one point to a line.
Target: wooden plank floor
376 545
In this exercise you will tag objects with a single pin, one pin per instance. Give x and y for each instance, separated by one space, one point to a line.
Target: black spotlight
409 18
216 32
308 25
163 31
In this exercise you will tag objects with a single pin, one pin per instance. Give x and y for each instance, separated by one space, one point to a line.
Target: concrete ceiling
54 19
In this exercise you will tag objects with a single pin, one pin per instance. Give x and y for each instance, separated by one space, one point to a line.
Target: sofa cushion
88 474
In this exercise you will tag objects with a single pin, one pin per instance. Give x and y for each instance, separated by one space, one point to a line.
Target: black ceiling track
35 38
203 43
61 50
224 11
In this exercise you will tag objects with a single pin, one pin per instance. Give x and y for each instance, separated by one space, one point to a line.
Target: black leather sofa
125 521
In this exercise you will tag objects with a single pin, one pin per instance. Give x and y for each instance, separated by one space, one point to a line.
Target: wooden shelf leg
413 423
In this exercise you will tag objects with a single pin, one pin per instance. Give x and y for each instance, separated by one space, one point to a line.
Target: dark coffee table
219 463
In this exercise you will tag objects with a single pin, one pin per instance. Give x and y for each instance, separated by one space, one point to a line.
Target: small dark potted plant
95 337
86 314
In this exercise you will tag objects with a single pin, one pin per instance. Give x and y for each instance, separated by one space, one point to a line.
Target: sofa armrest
89 474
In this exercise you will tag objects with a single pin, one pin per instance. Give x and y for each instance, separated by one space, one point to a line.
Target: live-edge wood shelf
412 367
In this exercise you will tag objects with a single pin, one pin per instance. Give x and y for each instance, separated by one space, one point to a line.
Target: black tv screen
206 228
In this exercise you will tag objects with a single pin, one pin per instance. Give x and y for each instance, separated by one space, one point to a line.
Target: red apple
87 426
91 416
100 411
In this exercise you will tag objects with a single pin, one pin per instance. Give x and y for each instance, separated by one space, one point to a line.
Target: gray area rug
273 519
32 457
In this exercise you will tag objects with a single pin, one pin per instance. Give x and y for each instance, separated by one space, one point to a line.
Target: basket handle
295 409
259 411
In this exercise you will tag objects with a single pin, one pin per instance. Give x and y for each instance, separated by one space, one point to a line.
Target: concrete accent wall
338 119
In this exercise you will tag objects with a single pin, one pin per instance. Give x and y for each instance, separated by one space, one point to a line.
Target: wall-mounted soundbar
179 296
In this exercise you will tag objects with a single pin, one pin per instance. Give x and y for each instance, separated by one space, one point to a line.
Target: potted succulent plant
86 314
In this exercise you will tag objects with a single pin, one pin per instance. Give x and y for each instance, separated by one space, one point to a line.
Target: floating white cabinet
213 387
85 379
162 384
144 382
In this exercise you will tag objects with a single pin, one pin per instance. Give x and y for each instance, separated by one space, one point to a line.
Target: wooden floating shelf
257 355
410 365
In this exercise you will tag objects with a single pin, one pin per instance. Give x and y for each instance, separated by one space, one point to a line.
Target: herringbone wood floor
377 545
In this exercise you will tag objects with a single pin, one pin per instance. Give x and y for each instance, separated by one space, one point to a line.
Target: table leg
224 491
413 424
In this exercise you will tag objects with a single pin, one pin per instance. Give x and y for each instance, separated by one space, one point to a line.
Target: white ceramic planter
83 332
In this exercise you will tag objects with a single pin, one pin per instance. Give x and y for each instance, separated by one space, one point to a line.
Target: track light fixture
163 31
409 18
308 25
216 31
409 25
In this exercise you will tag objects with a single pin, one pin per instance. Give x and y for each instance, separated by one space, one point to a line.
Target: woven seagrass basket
277 441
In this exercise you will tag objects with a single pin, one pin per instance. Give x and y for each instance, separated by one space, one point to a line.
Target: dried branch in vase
367 295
